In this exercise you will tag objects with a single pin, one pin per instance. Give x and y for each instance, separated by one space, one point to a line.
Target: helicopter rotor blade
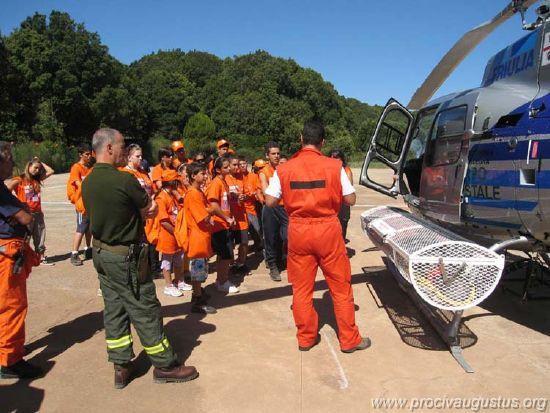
460 50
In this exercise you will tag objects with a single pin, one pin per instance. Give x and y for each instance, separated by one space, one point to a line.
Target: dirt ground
247 353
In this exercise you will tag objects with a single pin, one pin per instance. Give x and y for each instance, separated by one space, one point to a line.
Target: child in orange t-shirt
253 188
78 173
171 254
165 163
27 188
198 225
217 194
237 197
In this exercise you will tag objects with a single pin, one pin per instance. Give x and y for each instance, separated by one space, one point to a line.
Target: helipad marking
343 381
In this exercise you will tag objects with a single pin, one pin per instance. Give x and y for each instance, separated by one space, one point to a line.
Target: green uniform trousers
117 279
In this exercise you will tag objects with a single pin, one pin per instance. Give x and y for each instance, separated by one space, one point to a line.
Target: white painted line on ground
364 205
56 203
344 384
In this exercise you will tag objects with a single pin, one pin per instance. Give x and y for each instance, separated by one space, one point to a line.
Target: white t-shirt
274 187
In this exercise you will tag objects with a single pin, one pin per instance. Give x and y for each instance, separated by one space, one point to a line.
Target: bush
56 154
152 146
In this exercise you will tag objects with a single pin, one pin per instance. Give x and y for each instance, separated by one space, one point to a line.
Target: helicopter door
443 172
382 166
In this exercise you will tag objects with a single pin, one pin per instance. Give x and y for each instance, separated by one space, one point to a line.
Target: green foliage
152 147
58 83
56 154
199 132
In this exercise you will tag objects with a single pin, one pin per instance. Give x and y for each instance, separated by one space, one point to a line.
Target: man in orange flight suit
16 261
312 187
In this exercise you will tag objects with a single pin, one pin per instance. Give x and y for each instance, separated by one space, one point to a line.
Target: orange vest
311 185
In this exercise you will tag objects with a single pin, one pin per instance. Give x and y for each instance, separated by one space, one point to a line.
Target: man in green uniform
117 205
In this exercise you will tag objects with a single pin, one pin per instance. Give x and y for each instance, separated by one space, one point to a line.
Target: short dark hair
194 168
271 145
83 148
338 154
313 133
164 152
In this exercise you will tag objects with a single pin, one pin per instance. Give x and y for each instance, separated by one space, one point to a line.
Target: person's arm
12 184
22 217
150 210
49 170
167 225
349 173
264 183
348 191
273 192
215 209
260 195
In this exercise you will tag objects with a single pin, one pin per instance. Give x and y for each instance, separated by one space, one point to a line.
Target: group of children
203 209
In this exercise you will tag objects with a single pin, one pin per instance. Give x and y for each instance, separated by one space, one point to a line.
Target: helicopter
473 168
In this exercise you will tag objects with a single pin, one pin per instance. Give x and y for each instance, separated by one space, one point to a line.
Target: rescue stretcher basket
445 270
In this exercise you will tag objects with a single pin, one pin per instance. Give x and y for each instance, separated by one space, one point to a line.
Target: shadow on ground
413 327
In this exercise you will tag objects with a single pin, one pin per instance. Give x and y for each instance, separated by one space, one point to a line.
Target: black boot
20 370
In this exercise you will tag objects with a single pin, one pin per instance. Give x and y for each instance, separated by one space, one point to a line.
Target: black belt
115 249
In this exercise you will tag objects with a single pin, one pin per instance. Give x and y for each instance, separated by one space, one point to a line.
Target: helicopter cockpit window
391 135
446 136
415 157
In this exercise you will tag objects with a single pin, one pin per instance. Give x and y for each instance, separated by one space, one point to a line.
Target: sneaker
200 306
44 261
20 370
183 286
75 260
172 291
227 287
99 293
275 274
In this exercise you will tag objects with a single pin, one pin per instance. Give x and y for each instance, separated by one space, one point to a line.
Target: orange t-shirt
77 174
251 185
156 173
143 178
168 211
236 187
28 192
198 229
218 191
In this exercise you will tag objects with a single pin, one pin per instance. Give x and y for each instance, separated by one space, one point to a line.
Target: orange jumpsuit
13 287
312 195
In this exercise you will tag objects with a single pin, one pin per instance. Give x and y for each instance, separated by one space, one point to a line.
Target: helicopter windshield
413 164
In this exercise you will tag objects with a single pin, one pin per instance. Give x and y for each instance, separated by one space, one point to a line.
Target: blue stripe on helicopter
492 223
506 179
503 203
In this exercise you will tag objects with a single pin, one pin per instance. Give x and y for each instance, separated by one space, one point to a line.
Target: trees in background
58 83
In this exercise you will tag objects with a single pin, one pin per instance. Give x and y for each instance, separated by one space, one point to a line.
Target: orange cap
169 175
259 163
221 143
177 145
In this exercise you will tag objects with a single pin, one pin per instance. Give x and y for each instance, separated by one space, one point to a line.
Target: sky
369 50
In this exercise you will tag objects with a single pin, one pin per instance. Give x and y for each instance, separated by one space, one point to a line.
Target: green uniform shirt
113 200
